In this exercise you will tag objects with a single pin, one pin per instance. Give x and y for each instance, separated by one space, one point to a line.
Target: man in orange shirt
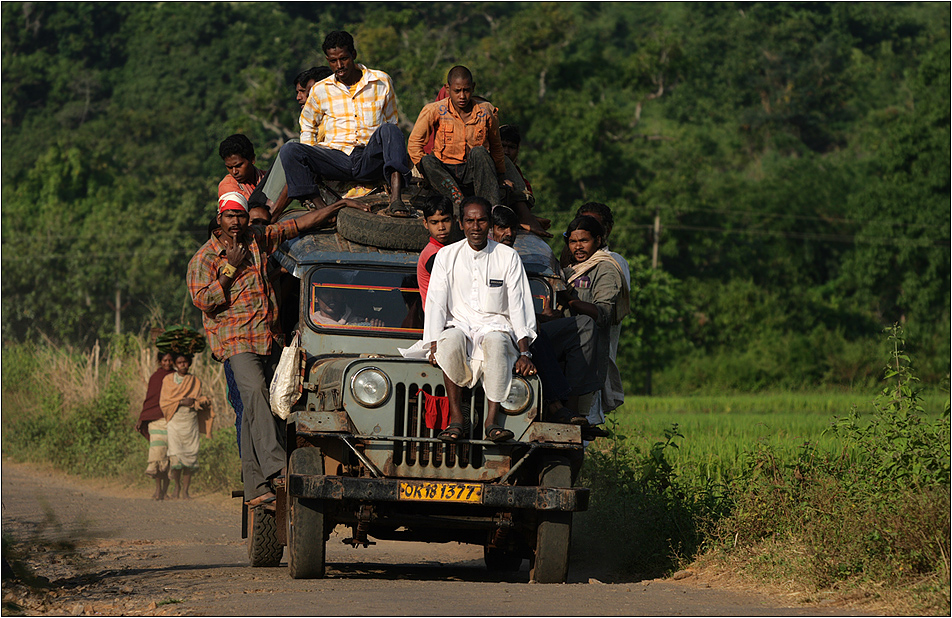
467 149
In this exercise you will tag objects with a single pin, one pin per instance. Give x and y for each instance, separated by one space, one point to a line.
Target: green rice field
720 430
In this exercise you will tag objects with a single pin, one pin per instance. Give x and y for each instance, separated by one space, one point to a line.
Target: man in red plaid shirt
228 282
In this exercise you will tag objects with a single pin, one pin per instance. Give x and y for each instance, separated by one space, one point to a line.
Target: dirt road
109 550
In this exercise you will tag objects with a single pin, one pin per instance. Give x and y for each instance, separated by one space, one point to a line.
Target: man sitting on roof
272 191
358 111
467 150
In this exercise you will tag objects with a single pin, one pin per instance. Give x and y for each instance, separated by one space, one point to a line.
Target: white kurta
479 292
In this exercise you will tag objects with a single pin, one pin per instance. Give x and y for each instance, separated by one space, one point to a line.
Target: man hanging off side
228 282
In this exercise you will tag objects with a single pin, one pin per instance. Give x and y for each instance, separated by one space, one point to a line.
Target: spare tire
383 231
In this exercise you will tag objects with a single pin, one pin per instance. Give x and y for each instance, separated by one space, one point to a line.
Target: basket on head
180 340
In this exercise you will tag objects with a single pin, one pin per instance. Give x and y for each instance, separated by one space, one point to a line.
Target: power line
756 213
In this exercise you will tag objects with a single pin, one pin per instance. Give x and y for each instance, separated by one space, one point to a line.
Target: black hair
475 199
435 204
164 354
178 355
459 72
259 207
339 39
588 224
314 73
510 133
213 225
503 216
599 209
237 144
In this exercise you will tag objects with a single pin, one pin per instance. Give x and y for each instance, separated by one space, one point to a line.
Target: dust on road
109 550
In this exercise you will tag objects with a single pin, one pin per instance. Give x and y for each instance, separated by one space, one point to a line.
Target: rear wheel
306 542
264 550
550 563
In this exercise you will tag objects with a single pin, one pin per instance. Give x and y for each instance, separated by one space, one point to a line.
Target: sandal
594 431
496 433
565 416
399 209
452 433
267 498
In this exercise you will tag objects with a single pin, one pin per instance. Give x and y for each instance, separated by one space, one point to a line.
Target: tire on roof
379 230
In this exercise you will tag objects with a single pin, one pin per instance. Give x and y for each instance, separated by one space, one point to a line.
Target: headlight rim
386 378
529 396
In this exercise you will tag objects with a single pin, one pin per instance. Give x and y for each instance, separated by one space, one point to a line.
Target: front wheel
306 542
550 563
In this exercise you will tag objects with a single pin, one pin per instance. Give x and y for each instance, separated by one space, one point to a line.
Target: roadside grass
849 502
722 430
77 410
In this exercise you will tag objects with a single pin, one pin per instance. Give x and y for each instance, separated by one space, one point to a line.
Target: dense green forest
796 156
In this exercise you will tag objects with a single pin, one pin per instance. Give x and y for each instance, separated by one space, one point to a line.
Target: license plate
441 492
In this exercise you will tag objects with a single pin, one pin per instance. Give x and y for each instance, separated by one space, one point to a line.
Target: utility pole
118 307
118 311
656 238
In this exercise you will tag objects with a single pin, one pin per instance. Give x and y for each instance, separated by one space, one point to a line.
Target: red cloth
150 407
437 411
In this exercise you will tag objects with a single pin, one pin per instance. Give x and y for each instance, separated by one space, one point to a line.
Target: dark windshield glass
370 301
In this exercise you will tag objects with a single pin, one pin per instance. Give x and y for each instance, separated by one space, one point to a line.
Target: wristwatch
527 354
229 271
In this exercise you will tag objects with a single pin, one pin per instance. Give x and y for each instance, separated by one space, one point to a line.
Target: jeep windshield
376 301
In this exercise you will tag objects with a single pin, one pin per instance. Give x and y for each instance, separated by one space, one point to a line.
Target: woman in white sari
184 409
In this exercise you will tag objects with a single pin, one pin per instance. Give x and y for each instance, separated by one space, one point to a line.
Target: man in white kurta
479 319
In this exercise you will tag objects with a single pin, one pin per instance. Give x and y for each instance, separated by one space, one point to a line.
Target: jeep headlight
520 396
370 387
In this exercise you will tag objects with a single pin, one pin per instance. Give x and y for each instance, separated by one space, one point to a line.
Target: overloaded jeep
362 448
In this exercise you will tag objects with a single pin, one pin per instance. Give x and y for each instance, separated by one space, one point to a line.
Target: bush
654 517
876 510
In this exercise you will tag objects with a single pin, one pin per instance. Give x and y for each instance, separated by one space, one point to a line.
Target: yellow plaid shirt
348 120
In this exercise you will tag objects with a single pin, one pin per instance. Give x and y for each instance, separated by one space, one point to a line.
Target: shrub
876 509
655 519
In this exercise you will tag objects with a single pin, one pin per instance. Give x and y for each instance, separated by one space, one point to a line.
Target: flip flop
399 209
496 433
452 433
566 416
267 498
